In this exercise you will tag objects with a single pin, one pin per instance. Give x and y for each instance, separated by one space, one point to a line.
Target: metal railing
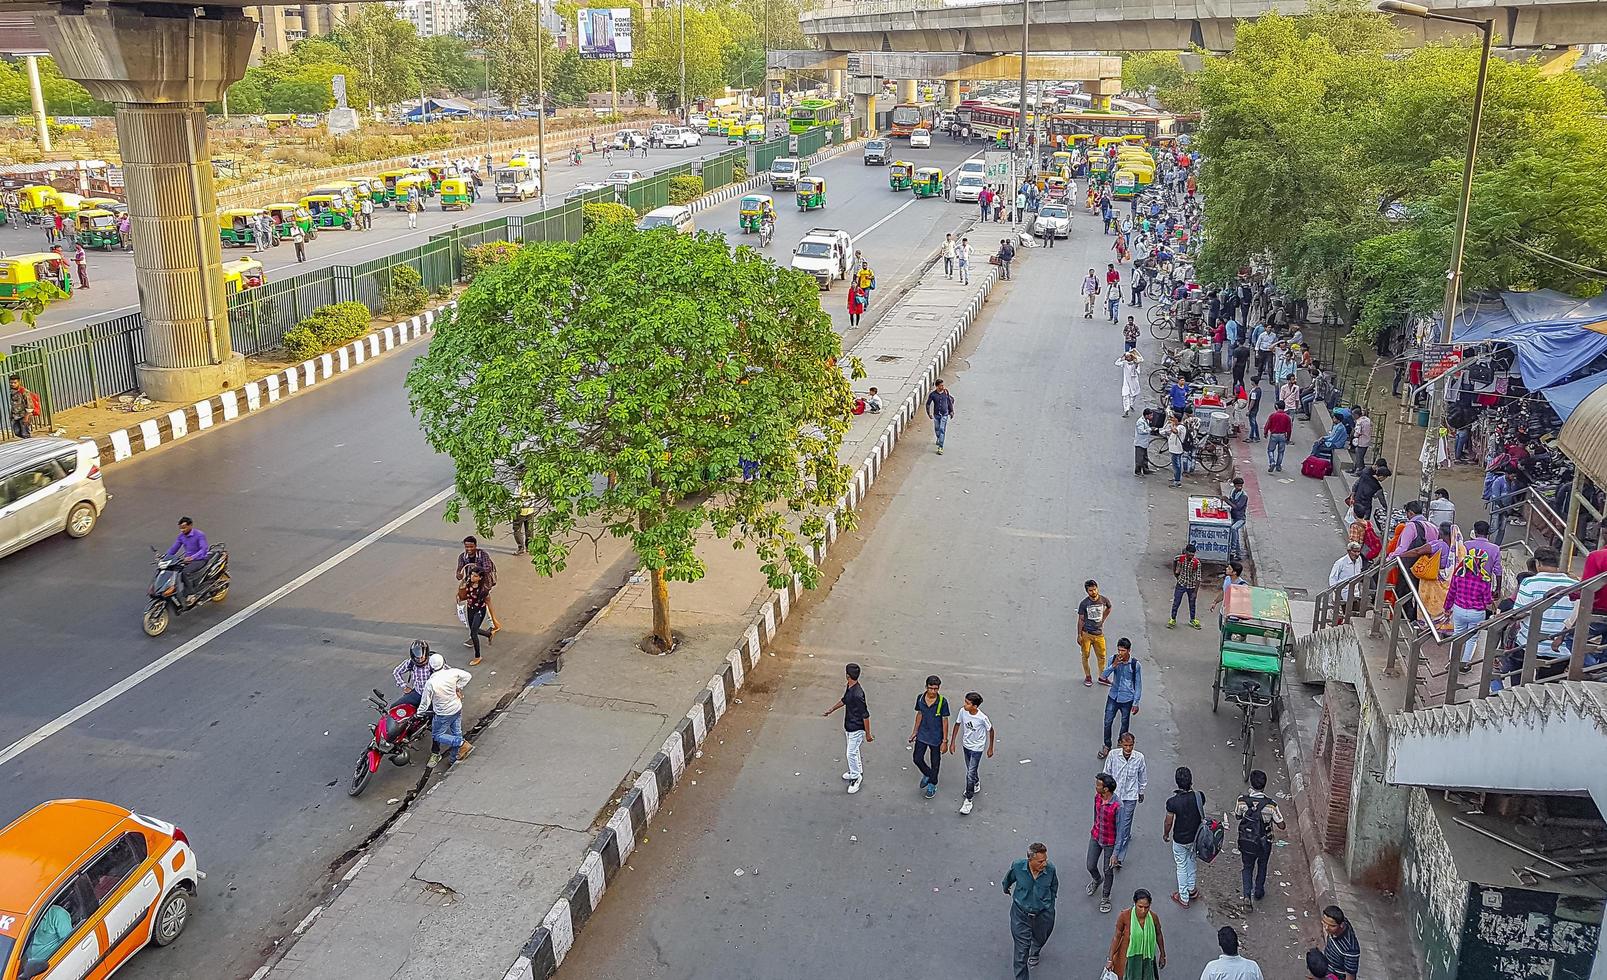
1370 593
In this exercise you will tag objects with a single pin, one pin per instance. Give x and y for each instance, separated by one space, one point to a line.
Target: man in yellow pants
1092 615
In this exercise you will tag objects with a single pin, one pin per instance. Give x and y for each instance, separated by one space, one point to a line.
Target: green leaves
616 384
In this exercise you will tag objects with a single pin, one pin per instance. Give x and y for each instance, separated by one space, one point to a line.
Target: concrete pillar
37 94
839 87
907 90
865 108
951 94
159 72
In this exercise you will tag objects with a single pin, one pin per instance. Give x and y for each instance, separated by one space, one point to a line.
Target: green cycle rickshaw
1256 635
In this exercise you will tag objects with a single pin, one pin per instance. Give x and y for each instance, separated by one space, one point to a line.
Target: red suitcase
1317 467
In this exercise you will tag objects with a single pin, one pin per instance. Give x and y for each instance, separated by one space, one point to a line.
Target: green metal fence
100 360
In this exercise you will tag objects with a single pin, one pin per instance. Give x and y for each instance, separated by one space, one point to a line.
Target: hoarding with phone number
604 33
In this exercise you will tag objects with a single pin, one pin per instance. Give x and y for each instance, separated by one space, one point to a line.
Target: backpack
1208 839
1253 834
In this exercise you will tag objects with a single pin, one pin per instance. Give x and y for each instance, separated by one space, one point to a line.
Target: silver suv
48 485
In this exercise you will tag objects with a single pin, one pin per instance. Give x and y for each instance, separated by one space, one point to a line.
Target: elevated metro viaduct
861 73
1153 25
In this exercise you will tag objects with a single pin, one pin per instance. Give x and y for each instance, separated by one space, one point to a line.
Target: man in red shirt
1102 838
1279 428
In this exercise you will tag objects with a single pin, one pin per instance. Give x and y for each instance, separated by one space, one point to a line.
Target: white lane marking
145 673
889 216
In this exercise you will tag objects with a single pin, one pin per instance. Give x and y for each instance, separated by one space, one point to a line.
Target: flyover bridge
1150 25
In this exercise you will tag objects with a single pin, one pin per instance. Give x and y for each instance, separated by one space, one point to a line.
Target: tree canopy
1336 158
616 384
63 96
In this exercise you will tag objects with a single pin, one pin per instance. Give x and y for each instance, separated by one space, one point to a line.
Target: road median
510 854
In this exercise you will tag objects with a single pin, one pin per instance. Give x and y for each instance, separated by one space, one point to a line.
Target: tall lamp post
683 62
1453 276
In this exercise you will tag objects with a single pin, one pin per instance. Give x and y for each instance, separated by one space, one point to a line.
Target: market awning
1554 334
1566 398
1584 436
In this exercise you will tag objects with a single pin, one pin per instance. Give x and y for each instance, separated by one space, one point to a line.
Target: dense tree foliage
616 385
63 96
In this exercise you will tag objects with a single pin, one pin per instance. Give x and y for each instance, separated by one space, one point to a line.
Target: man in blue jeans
1126 679
1279 428
1238 511
443 694
940 408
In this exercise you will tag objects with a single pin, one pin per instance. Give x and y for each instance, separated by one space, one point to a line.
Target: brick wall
1334 763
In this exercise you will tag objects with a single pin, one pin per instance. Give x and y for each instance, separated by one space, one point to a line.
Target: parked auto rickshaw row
338 203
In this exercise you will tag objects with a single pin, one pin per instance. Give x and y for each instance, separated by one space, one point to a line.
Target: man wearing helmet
412 673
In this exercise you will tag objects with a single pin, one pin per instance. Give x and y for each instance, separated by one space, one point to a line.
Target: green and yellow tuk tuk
455 194
413 185
1098 167
928 182
1061 163
241 275
811 193
21 275
328 210
237 226
384 188
1124 185
111 204
713 128
756 132
287 217
97 228
752 210
69 204
901 176
737 132
34 201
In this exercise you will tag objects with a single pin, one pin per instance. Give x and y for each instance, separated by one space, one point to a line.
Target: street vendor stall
1210 528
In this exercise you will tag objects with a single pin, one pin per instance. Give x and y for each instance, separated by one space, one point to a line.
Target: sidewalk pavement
503 860
1295 532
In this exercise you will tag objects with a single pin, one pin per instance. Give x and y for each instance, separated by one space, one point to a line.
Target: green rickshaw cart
1257 634
98 229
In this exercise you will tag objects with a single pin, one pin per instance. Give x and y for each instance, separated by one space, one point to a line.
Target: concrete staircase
1537 738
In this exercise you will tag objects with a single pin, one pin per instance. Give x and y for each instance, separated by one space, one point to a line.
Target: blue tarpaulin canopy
1564 398
1553 333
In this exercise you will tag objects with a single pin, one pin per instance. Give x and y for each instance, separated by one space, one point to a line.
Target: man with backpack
1190 833
24 411
1258 813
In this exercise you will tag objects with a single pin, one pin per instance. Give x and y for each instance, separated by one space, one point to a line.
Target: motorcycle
167 585
767 231
394 735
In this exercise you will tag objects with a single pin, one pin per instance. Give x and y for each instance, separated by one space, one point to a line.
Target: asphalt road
243 731
112 289
968 565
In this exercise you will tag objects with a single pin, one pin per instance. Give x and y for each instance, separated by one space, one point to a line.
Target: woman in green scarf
1138 952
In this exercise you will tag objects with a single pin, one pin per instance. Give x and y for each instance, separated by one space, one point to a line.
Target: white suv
679 137
48 485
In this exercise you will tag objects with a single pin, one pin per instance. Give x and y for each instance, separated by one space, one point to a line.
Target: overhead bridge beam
1101 74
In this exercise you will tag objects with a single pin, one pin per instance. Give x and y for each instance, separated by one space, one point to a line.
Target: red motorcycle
400 726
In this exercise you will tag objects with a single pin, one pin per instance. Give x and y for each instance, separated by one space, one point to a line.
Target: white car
698 122
624 176
969 167
968 188
825 253
585 186
625 138
682 137
921 139
1053 219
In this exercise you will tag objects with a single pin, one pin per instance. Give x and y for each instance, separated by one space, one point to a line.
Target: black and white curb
191 420
627 825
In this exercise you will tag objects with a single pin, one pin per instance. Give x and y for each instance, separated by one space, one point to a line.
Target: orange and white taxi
85 885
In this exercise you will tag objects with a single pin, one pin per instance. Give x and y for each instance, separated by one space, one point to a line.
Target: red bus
910 116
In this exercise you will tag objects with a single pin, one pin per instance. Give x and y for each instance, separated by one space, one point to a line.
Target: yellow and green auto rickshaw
1098 167
287 217
384 188
1124 185
713 128
756 132
241 275
416 185
34 201
68 204
737 132
928 182
455 194
237 226
439 172
1060 162
97 228
811 193
1144 172
329 210
901 176
20 275
111 204
752 211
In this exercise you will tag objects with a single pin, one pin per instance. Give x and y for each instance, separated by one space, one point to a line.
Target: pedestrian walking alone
1138 950
1102 838
298 238
1230 965
1092 615
1132 388
81 261
1126 679
24 409
973 732
1258 813
940 409
962 258
1186 573
443 694
1131 772
930 736
1185 814
1090 290
1032 886
856 726
413 207
858 299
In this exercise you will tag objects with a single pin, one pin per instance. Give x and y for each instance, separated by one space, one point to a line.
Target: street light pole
1021 117
1453 276
683 62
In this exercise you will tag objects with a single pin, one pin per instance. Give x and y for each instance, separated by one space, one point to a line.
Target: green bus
810 113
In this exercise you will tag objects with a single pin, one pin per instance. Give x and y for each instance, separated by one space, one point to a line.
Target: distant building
280 27
433 17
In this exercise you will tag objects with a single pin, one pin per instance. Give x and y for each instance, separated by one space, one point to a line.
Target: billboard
604 33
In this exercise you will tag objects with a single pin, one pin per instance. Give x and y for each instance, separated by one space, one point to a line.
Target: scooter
394 735
167 585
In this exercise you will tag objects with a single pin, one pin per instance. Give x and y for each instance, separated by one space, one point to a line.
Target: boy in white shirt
973 732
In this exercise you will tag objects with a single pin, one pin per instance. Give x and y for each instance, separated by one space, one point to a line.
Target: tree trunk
661 610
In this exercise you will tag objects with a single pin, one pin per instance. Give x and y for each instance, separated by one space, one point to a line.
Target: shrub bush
406 295
739 171
685 188
302 344
326 327
491 253
594 216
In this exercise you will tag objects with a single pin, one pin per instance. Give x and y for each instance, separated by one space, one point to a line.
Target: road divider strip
626 825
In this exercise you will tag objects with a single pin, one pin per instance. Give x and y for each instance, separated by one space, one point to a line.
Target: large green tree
509 32
446 63
384 53
615 384
658 53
